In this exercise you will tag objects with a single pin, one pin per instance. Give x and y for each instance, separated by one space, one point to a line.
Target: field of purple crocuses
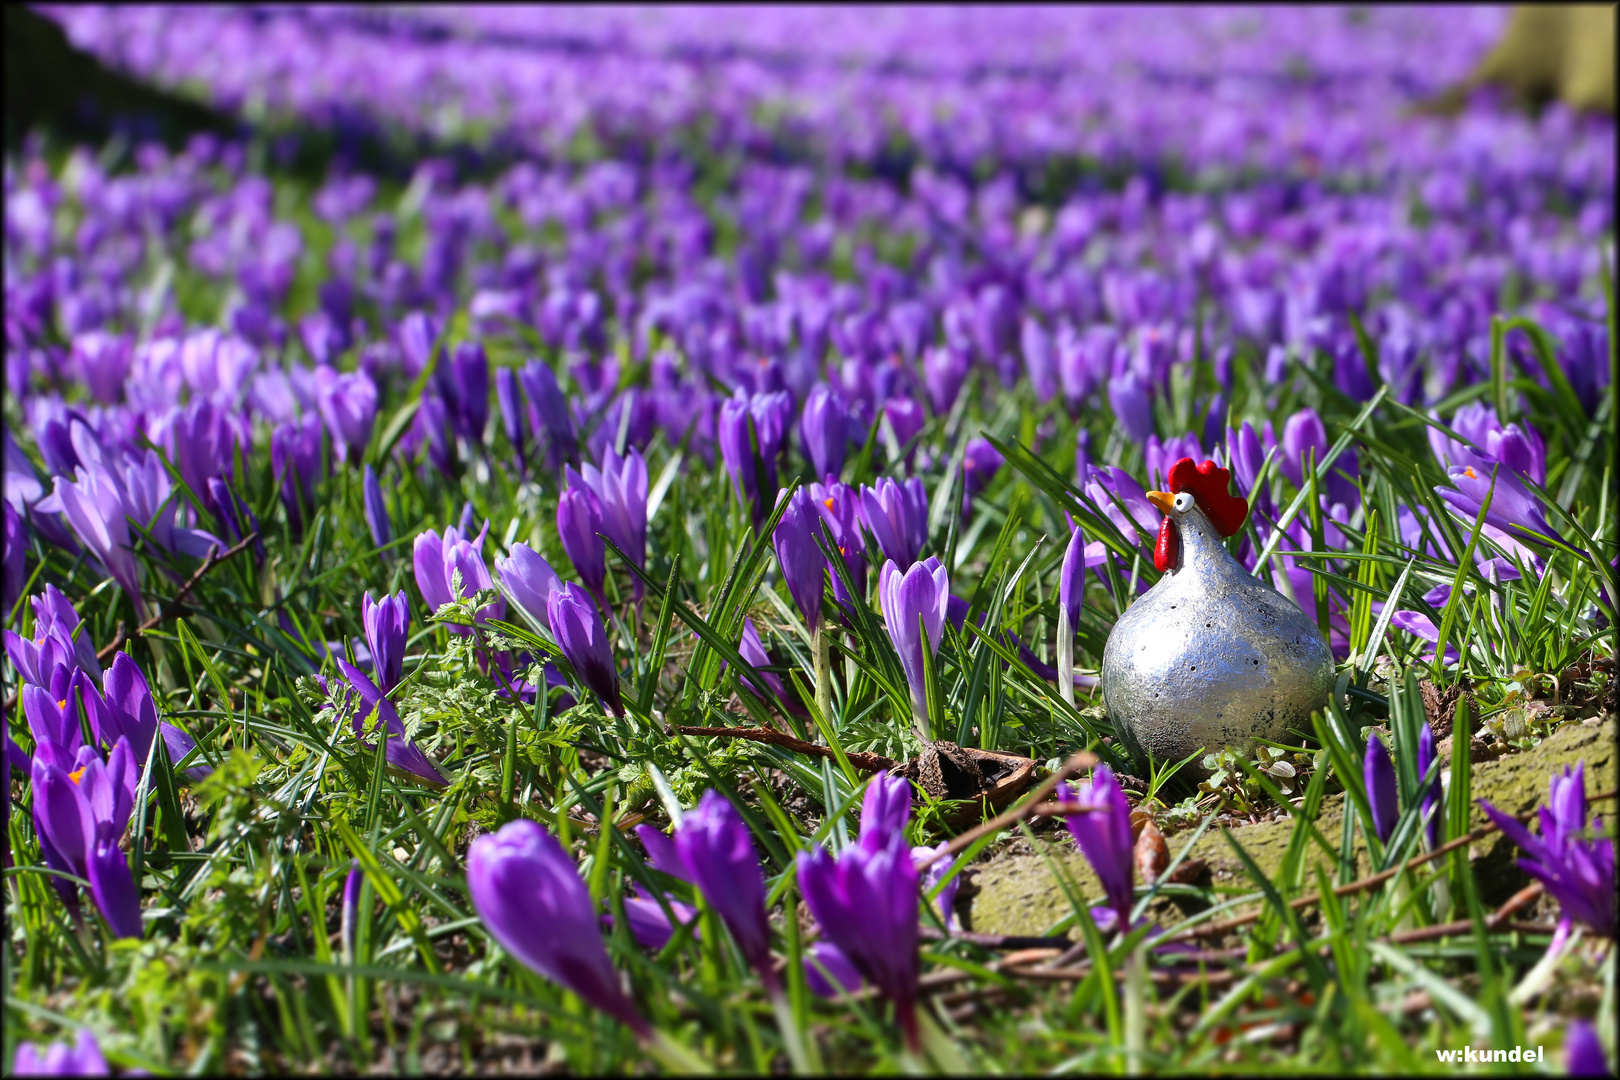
585 539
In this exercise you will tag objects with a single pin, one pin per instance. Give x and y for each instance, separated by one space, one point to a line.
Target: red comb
1208 483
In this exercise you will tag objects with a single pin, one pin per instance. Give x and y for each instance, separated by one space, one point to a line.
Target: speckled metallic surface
1211 657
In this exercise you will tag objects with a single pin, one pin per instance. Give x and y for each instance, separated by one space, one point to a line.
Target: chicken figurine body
1210 657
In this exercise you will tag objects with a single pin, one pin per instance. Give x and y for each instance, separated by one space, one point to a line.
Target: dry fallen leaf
1152 853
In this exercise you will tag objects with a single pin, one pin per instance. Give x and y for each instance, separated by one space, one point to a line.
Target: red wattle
1167 547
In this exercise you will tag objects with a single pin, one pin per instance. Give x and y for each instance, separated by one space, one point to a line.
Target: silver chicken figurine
1210 657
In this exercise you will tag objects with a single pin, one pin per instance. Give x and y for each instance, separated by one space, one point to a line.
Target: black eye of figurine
1184 502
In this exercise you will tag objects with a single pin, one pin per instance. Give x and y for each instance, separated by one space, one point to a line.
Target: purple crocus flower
94 507
125 709
1513 510
349 924
1378 775
621 491
83 1058
885 809
824 428
1039 359
651 928
752 649
463 383
866 903
53 720
14 567
579 526
59 639
935 874
386 623
508 398
1132 408
529 581
376 510
1099 819
719 858
896 513
737 449
945 369
530 897
1072 578
203 441
1305 439
401 753
81 815
295 458
914 602
550 410
839 508
348 405
980 462
575 624
1583 1052
1431 793
1138 516
1577 871
803 565
905 416
828 972
435 560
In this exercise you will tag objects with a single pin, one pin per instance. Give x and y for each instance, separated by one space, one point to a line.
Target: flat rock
1017 893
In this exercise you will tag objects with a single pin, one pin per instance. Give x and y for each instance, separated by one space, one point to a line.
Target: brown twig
995 941
1372 881
863 761
1085 759
172 607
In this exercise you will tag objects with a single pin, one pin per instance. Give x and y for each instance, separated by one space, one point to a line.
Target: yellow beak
1162 499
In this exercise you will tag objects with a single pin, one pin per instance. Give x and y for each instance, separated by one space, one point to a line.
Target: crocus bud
885 809
386 623
912 602
529 580
376 509
579 633
507 397
719 858
1072 578
350 916
550 408
980 462
803 565
1583 1051
737 451
1378 772
1099 819
1431 792
295 458
906 417
530 897
1132 408
824 429
579 524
